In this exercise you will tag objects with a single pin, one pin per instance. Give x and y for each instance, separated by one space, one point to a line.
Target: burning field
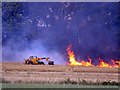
102 64
73 72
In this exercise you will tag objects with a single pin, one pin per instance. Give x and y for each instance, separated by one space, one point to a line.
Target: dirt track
18 72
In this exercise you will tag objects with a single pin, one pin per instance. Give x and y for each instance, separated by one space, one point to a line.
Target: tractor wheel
51 62
26 61
41 63
30 62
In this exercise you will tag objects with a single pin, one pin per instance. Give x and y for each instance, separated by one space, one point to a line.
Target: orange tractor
34 60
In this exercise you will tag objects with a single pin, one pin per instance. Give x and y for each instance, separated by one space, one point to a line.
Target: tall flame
73 61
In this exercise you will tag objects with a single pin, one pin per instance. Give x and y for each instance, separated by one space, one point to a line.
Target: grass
8 85
67 82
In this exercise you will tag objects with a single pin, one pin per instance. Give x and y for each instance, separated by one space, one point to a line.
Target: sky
45 29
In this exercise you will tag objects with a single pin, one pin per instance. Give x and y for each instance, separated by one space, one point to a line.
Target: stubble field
57 74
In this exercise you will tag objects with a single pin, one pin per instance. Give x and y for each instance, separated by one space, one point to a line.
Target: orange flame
104 64
73 61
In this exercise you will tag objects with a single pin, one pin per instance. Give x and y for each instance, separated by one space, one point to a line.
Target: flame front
104 64
73 61
72 57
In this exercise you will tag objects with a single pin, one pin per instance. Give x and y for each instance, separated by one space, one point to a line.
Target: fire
72 57
104 64
114 63
73 61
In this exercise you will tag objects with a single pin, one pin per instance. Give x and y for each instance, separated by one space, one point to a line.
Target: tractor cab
32 57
